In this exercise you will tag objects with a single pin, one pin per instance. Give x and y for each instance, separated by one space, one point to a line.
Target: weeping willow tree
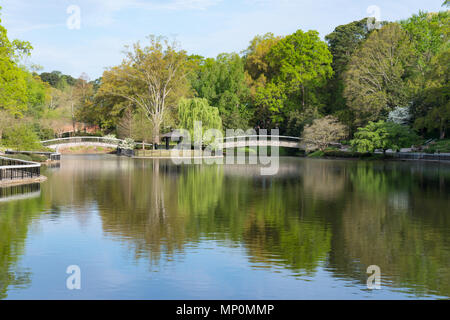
192 110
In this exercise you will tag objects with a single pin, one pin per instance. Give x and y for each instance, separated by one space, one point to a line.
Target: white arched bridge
84 141
264 141
228 142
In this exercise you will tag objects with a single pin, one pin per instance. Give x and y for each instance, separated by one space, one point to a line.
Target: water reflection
18 206
338 215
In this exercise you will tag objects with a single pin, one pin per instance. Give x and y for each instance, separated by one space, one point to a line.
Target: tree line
390 81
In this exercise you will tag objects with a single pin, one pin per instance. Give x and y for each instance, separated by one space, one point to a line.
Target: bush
316 154
442 146
128 143
383 135
21 137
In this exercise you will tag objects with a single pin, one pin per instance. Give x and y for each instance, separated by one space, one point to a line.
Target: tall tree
151 77
434 110
343 42
428 33
257 66
299 64
222 82
13 84
258 72
375 79
303 61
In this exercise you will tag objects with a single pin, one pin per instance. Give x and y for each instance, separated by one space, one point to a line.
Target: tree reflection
15 221
407 239
342 215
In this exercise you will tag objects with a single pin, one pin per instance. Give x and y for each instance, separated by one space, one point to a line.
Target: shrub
128 143
316 154
110 136
442 146
21 137
323 132
383 135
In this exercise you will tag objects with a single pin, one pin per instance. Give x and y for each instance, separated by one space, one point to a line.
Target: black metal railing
15 169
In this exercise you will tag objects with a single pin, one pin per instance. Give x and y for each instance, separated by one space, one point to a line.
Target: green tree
375 80
38 93
22 137
303 61
343 42
58 80
257 65
153 78
258 72
222 82
299 66
383 135
13 85
428 33
192 110
434 111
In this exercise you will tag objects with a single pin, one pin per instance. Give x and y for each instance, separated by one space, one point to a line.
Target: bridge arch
84 141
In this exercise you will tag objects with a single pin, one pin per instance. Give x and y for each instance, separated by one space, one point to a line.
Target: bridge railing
81 140
261 140
14 169
264 137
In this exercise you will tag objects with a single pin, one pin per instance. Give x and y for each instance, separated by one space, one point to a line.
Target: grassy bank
86 150
28 157
348 155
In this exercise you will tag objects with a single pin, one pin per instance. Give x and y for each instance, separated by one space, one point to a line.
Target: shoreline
13 183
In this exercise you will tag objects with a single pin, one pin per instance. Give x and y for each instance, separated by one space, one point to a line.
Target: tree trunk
155 136
303 97
73 121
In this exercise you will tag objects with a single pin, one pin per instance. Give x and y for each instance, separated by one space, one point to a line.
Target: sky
88 36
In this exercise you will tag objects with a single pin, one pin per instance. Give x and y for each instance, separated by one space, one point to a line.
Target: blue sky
206 27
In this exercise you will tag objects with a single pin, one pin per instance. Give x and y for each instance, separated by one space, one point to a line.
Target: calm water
147 229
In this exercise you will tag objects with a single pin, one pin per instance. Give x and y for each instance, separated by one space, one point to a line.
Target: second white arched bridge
263 141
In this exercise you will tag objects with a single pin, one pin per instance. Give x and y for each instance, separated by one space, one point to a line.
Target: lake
149 229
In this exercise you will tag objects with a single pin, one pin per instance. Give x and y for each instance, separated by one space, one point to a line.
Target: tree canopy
198 110
152 78
375 79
